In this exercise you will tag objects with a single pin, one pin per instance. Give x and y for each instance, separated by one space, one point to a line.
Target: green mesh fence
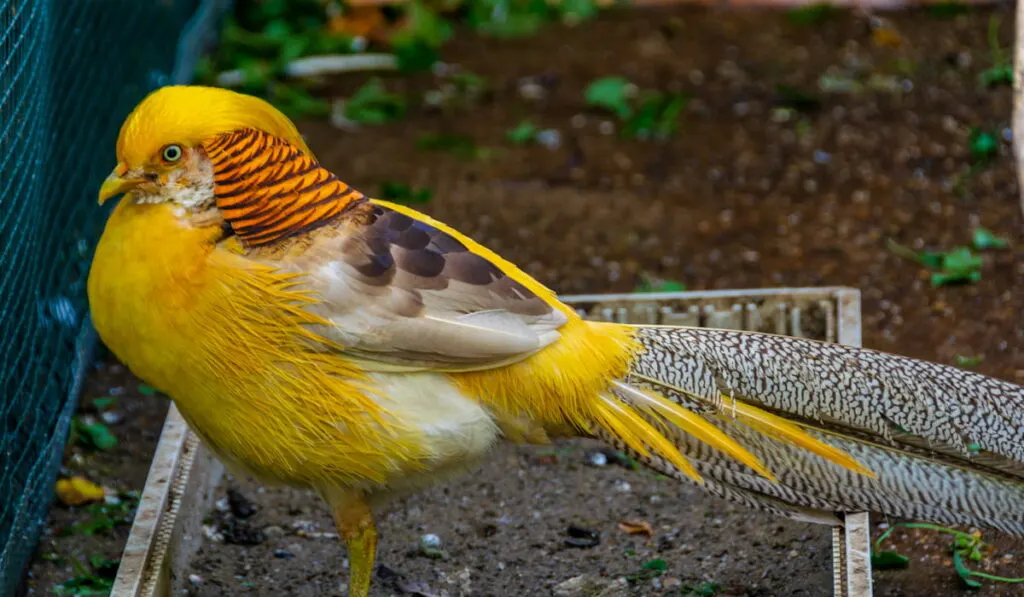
70 70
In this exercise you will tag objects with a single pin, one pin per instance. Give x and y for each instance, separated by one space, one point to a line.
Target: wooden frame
184 476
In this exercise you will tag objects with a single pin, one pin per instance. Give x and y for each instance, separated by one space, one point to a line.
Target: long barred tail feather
875 432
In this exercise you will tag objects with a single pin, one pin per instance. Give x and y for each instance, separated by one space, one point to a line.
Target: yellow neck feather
227 339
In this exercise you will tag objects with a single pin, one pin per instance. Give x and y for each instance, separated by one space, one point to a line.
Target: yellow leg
356 526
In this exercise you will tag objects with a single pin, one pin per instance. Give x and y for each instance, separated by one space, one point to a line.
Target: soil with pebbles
744 196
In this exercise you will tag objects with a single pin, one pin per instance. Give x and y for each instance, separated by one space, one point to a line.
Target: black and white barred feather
947 445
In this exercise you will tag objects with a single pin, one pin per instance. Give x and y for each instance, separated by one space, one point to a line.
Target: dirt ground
122 469
742 197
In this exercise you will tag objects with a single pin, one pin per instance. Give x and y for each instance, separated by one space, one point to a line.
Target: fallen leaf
546 459
78 490
360 21
636 527
886 37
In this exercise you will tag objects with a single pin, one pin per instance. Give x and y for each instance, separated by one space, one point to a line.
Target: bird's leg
354 519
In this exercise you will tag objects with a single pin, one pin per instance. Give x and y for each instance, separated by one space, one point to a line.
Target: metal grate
70 70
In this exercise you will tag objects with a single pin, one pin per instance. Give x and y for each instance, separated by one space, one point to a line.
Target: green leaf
965 361
414 55
255 74
506 18
646 285
964 572
648 570
103 403
523 133
961 259
576 11
98 581
457 144
297 102
95 435
952 267
657 565
983 144
996 76
812 14
707 589
514 25
610 93
105 516
958 265
658 117
426 25
469 83
416 46
402 193
799 100
986 239
949 278
291 49
931 259
373 104
947 10
146 389
889 560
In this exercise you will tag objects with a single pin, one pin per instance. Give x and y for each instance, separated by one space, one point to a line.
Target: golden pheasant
317 337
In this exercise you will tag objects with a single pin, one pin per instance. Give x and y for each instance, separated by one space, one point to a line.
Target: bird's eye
171 153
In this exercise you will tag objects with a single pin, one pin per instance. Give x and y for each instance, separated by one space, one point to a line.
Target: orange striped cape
269 190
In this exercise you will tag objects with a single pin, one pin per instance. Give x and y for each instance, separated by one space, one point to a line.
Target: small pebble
211 534
582 537
781 115
434 97
273 531
303 525
607 127
195 579
550 138
283 554
531 90
597 459
110 417
241 506
430 541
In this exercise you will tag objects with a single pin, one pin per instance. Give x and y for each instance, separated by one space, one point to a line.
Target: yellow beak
116 184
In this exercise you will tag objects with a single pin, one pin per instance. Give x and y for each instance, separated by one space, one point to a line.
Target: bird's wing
402 291
393 286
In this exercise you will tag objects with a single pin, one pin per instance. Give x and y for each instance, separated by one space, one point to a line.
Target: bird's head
160 150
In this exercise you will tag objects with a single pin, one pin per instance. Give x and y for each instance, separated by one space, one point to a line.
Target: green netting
70 70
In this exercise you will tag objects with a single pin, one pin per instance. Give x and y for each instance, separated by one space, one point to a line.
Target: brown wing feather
395 249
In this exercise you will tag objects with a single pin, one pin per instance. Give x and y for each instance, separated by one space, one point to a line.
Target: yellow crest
191 115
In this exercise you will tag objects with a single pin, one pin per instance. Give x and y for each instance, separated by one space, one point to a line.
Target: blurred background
601 146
